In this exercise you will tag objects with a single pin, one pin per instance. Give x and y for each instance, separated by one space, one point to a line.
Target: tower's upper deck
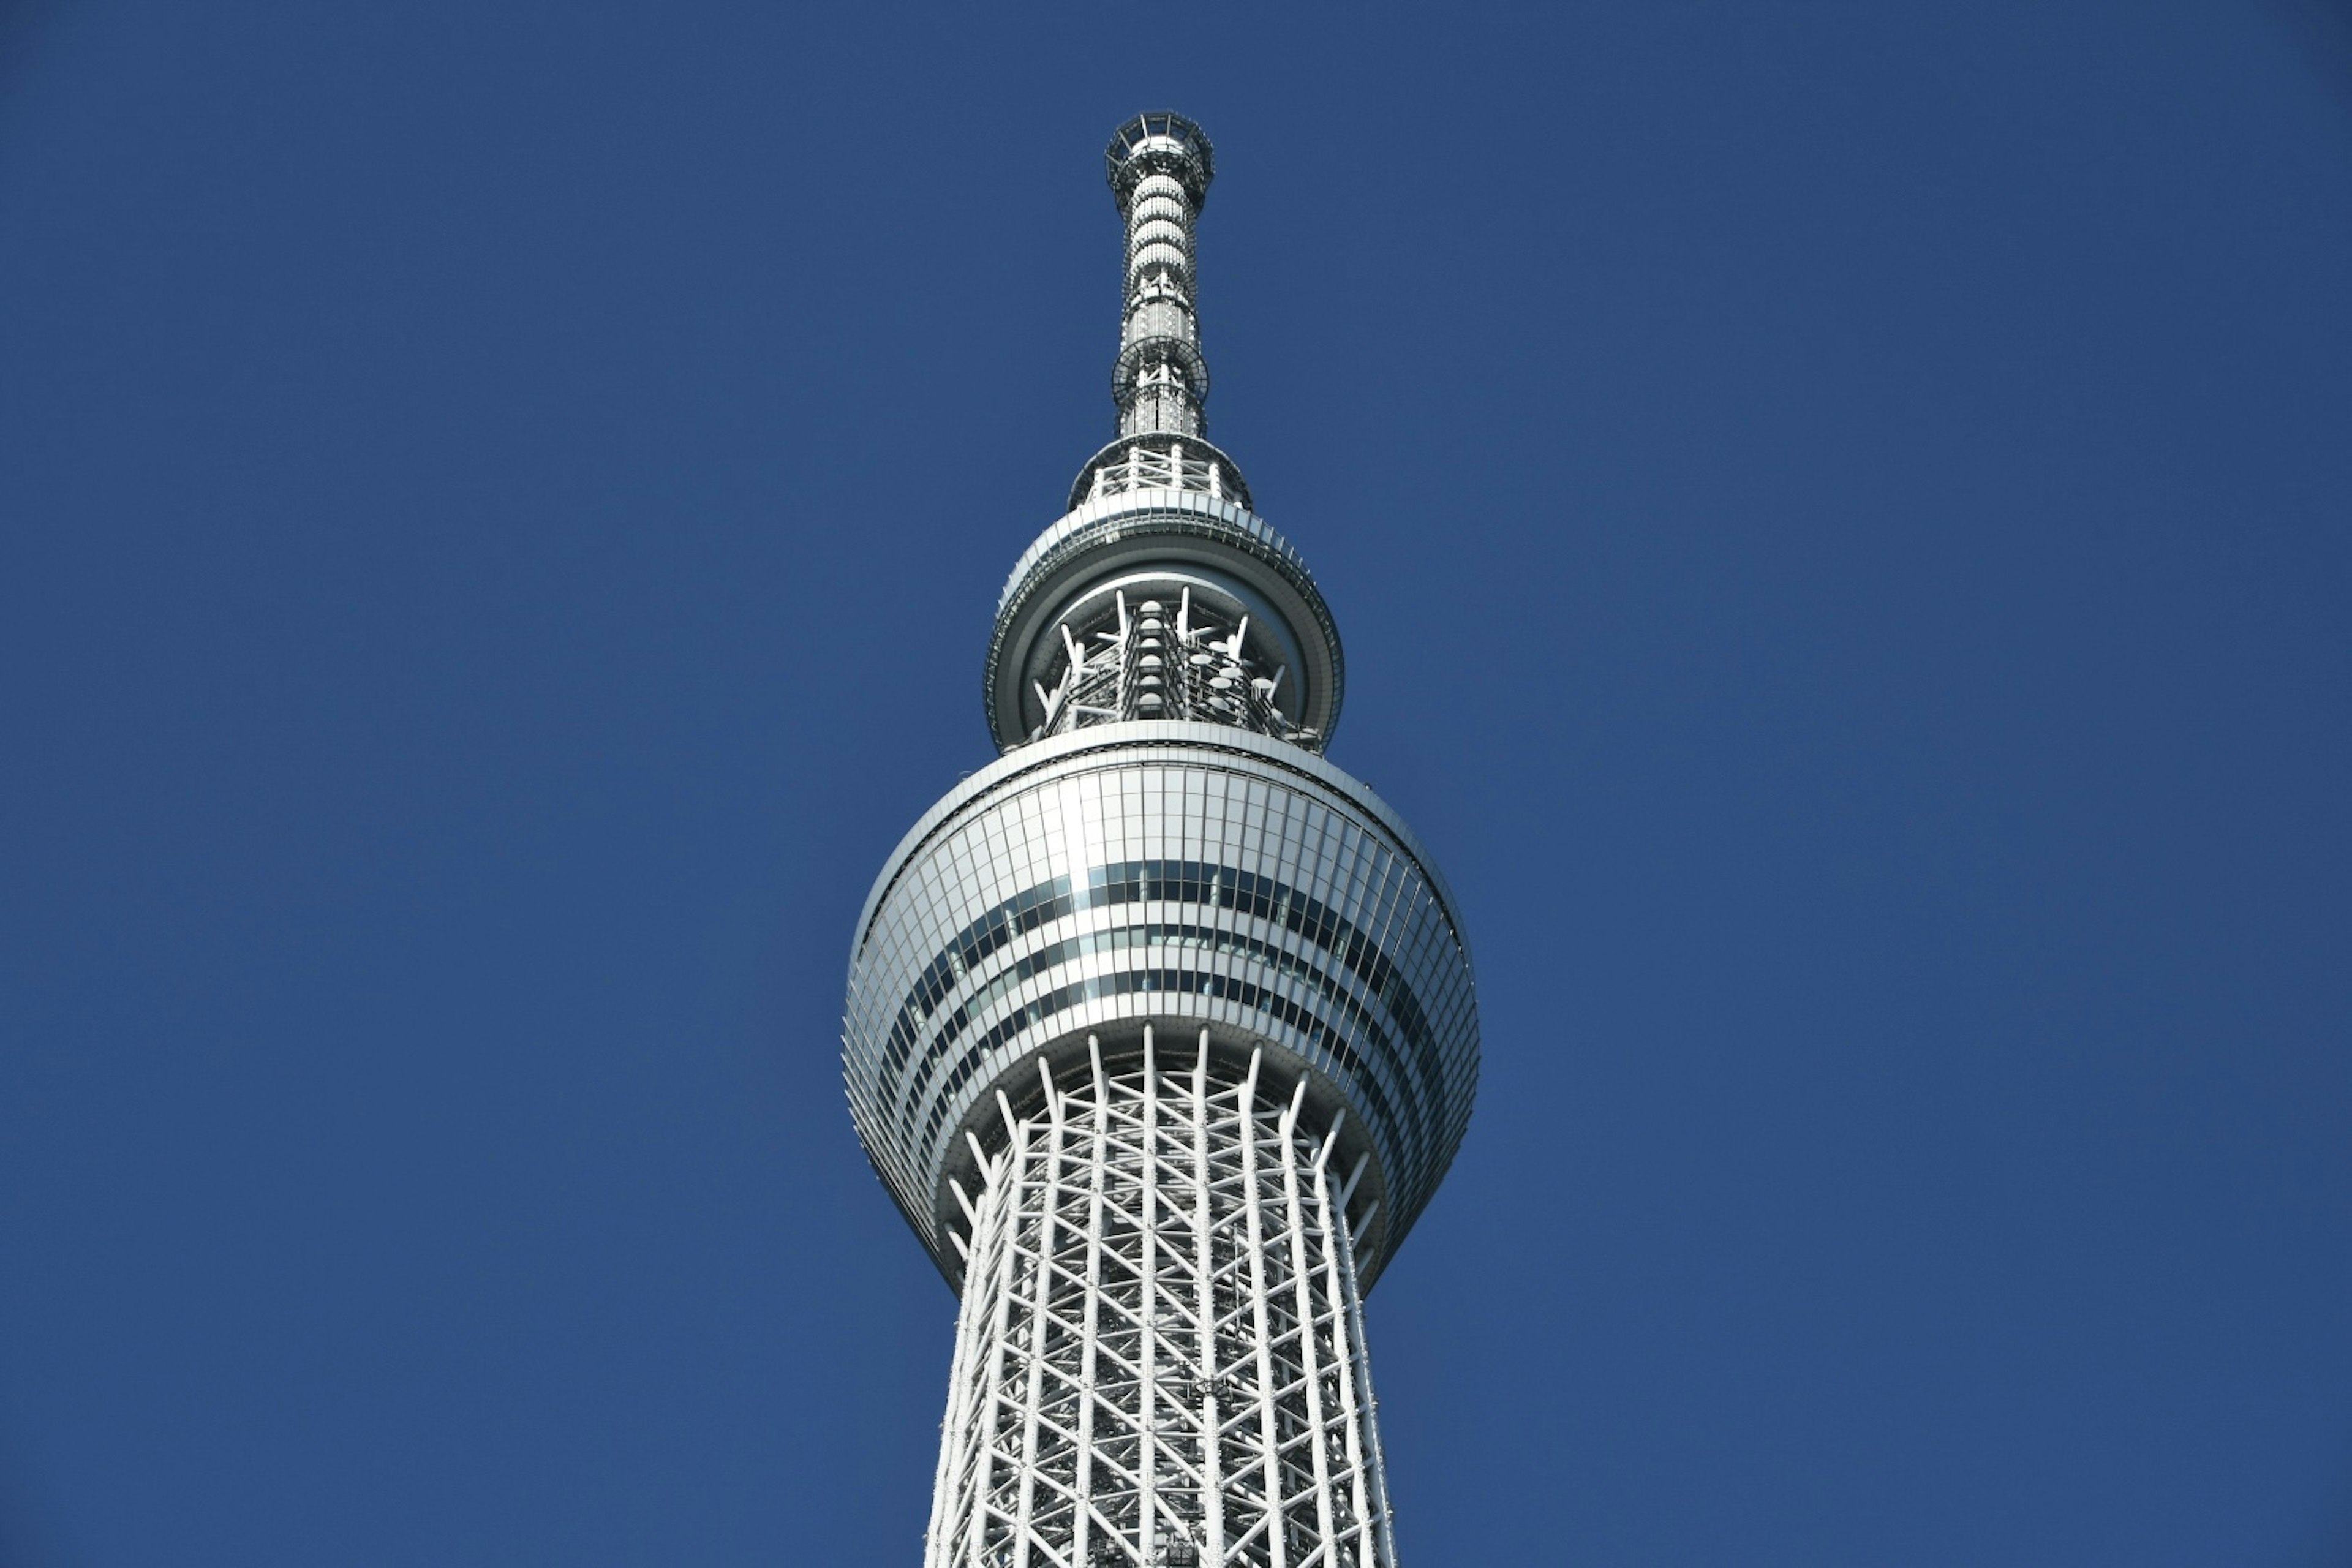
1160 842
1160 516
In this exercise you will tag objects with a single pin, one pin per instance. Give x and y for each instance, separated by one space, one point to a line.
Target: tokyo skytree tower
1162 1029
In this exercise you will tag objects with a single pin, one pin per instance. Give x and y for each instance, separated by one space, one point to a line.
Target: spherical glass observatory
1162 1029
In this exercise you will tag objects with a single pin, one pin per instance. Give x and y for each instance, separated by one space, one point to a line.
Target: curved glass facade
1179 874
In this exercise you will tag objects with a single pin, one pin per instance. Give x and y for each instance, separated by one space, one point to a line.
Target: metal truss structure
1160 1356
1155 665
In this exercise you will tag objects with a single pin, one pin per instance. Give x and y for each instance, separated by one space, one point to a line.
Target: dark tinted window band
1169 881
1132 980
1024 913
1203 939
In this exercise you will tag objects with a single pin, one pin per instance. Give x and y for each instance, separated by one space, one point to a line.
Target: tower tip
1162 142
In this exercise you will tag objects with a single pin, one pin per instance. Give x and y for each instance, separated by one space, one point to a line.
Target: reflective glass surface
1171 872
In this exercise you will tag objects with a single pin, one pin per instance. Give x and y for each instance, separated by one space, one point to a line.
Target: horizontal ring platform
1171 528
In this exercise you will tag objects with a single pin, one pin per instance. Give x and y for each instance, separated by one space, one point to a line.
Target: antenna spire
1159 167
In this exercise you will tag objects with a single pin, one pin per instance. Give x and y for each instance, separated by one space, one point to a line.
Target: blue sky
1838 514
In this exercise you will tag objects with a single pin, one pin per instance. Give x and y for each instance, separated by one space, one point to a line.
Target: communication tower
1162 1029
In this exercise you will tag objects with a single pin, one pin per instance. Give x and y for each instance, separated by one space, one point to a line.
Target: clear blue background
1839 518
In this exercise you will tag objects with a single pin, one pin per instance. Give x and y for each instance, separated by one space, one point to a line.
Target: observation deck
1180 875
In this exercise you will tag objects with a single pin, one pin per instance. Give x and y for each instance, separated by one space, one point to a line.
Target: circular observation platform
1159 524
1180 876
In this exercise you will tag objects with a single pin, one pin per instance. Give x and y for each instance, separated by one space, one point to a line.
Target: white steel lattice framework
1161 1357
1162 1029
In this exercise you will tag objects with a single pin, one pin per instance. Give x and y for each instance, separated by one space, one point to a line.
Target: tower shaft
1161 1354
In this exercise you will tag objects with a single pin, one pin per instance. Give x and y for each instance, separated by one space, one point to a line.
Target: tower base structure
1159 1358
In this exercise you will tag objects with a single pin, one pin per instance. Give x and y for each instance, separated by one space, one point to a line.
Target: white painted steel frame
1160 1356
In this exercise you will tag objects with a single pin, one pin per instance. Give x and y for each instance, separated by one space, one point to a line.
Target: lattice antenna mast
1159 167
